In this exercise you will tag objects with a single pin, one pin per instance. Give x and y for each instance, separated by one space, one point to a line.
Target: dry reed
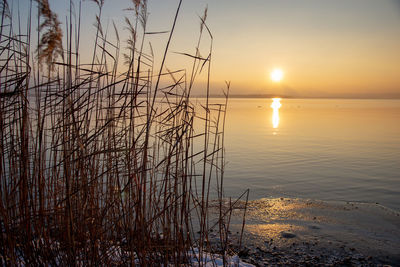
98 166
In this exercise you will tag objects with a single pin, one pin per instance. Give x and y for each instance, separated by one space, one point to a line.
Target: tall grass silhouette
99 165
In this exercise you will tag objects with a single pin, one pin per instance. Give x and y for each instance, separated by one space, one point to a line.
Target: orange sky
326 48
341 48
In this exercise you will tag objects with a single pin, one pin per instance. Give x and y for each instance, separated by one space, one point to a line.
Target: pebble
244 253
302 253
315 227
285 234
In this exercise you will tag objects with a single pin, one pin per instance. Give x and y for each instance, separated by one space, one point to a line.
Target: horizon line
397 97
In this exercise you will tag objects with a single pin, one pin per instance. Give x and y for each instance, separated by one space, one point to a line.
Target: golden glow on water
276 104
355 139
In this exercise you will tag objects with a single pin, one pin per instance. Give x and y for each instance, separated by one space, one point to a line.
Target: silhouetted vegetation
98 163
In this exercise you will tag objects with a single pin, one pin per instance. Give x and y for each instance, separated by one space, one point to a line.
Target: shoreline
293 231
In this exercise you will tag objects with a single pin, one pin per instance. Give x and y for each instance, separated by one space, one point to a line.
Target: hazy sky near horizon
326 48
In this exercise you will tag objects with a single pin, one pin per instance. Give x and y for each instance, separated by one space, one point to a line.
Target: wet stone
314 227
287 234
244 253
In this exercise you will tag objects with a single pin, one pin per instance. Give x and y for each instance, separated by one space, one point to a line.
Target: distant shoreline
298 97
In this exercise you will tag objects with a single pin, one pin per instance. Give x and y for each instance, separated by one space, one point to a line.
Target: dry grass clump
99 166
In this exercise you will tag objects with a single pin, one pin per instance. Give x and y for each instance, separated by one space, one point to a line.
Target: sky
326 48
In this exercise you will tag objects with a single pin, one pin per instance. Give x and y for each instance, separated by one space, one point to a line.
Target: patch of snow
215 260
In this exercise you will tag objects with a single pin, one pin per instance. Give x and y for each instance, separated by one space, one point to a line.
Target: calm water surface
325 149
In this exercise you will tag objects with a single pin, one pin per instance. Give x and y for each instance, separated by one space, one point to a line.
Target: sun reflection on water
276 104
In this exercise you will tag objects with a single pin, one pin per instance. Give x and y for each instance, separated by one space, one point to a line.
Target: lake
328 149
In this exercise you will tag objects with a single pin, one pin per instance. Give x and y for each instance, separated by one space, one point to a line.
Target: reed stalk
100 162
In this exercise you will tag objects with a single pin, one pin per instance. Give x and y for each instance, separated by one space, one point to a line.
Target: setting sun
269 135
276 75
